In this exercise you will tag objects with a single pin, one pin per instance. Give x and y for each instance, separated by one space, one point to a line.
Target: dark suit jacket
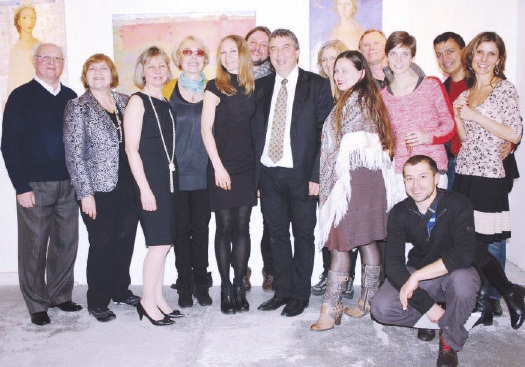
312 103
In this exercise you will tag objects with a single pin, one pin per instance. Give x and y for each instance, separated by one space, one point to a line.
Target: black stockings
232 243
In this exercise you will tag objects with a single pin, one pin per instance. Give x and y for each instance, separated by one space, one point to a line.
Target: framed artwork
37 21
132 34
344 20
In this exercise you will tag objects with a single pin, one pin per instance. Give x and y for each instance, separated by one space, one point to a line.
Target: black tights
370 255
232 243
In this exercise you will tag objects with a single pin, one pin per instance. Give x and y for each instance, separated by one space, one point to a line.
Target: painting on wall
37 21
132 34
344 20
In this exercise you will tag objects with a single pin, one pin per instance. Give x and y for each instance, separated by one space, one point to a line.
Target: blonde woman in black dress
150 144
226 131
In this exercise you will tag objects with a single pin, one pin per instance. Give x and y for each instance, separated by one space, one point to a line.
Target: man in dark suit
292 105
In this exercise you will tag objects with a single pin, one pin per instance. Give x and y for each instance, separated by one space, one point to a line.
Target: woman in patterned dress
487 114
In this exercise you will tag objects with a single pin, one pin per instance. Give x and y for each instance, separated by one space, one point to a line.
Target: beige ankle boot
370 275
332 308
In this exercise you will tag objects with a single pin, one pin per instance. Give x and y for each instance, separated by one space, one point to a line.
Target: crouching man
440 226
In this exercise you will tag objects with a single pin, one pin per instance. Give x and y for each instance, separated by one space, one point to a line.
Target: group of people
453 236
364 141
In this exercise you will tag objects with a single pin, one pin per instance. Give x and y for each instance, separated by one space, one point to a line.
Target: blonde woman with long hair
226 131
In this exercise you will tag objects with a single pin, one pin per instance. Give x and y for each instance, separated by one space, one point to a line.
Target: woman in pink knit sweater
419 108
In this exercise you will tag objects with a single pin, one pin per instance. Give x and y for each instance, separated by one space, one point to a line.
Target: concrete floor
206 337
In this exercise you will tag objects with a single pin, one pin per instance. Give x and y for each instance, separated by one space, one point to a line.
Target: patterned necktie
275 150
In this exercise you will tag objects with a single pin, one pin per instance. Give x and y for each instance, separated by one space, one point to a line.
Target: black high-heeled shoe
175 314
162 322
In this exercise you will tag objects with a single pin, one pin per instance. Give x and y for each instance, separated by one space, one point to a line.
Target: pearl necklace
171 160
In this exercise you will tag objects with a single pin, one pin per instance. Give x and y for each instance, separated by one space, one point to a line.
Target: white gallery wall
89 30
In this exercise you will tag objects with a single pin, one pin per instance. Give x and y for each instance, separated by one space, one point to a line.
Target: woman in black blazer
100 174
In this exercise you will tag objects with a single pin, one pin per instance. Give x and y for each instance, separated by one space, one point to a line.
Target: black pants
265 251
286 201
111 242
191 242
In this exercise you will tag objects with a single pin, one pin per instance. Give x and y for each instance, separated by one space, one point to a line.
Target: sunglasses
189 52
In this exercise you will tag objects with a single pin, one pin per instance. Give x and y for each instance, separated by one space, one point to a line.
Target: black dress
233 138
159 225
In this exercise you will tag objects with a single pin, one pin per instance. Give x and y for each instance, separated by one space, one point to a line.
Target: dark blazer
91 144
312 103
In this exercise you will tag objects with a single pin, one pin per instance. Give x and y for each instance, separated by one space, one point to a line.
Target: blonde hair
176 55
337 45
244 70
143 59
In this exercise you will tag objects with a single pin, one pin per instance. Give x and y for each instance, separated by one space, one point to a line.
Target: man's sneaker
132 300
319 288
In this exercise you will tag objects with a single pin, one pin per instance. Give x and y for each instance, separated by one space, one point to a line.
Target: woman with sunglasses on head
226 130
193 209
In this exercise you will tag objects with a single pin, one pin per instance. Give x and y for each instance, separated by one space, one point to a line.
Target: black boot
241 303
496 307
509 291
319 288
183 287
200 287
483 304
185 298
201 292
227 301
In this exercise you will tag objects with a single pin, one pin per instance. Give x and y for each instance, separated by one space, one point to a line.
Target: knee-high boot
332 308
512 293
370 275
483 304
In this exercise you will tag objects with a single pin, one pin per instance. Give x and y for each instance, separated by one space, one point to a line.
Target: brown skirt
366 218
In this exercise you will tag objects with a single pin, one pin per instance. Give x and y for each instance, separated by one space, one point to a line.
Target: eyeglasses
48 59
189 52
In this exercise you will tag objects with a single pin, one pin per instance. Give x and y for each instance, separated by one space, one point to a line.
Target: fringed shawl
357 145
